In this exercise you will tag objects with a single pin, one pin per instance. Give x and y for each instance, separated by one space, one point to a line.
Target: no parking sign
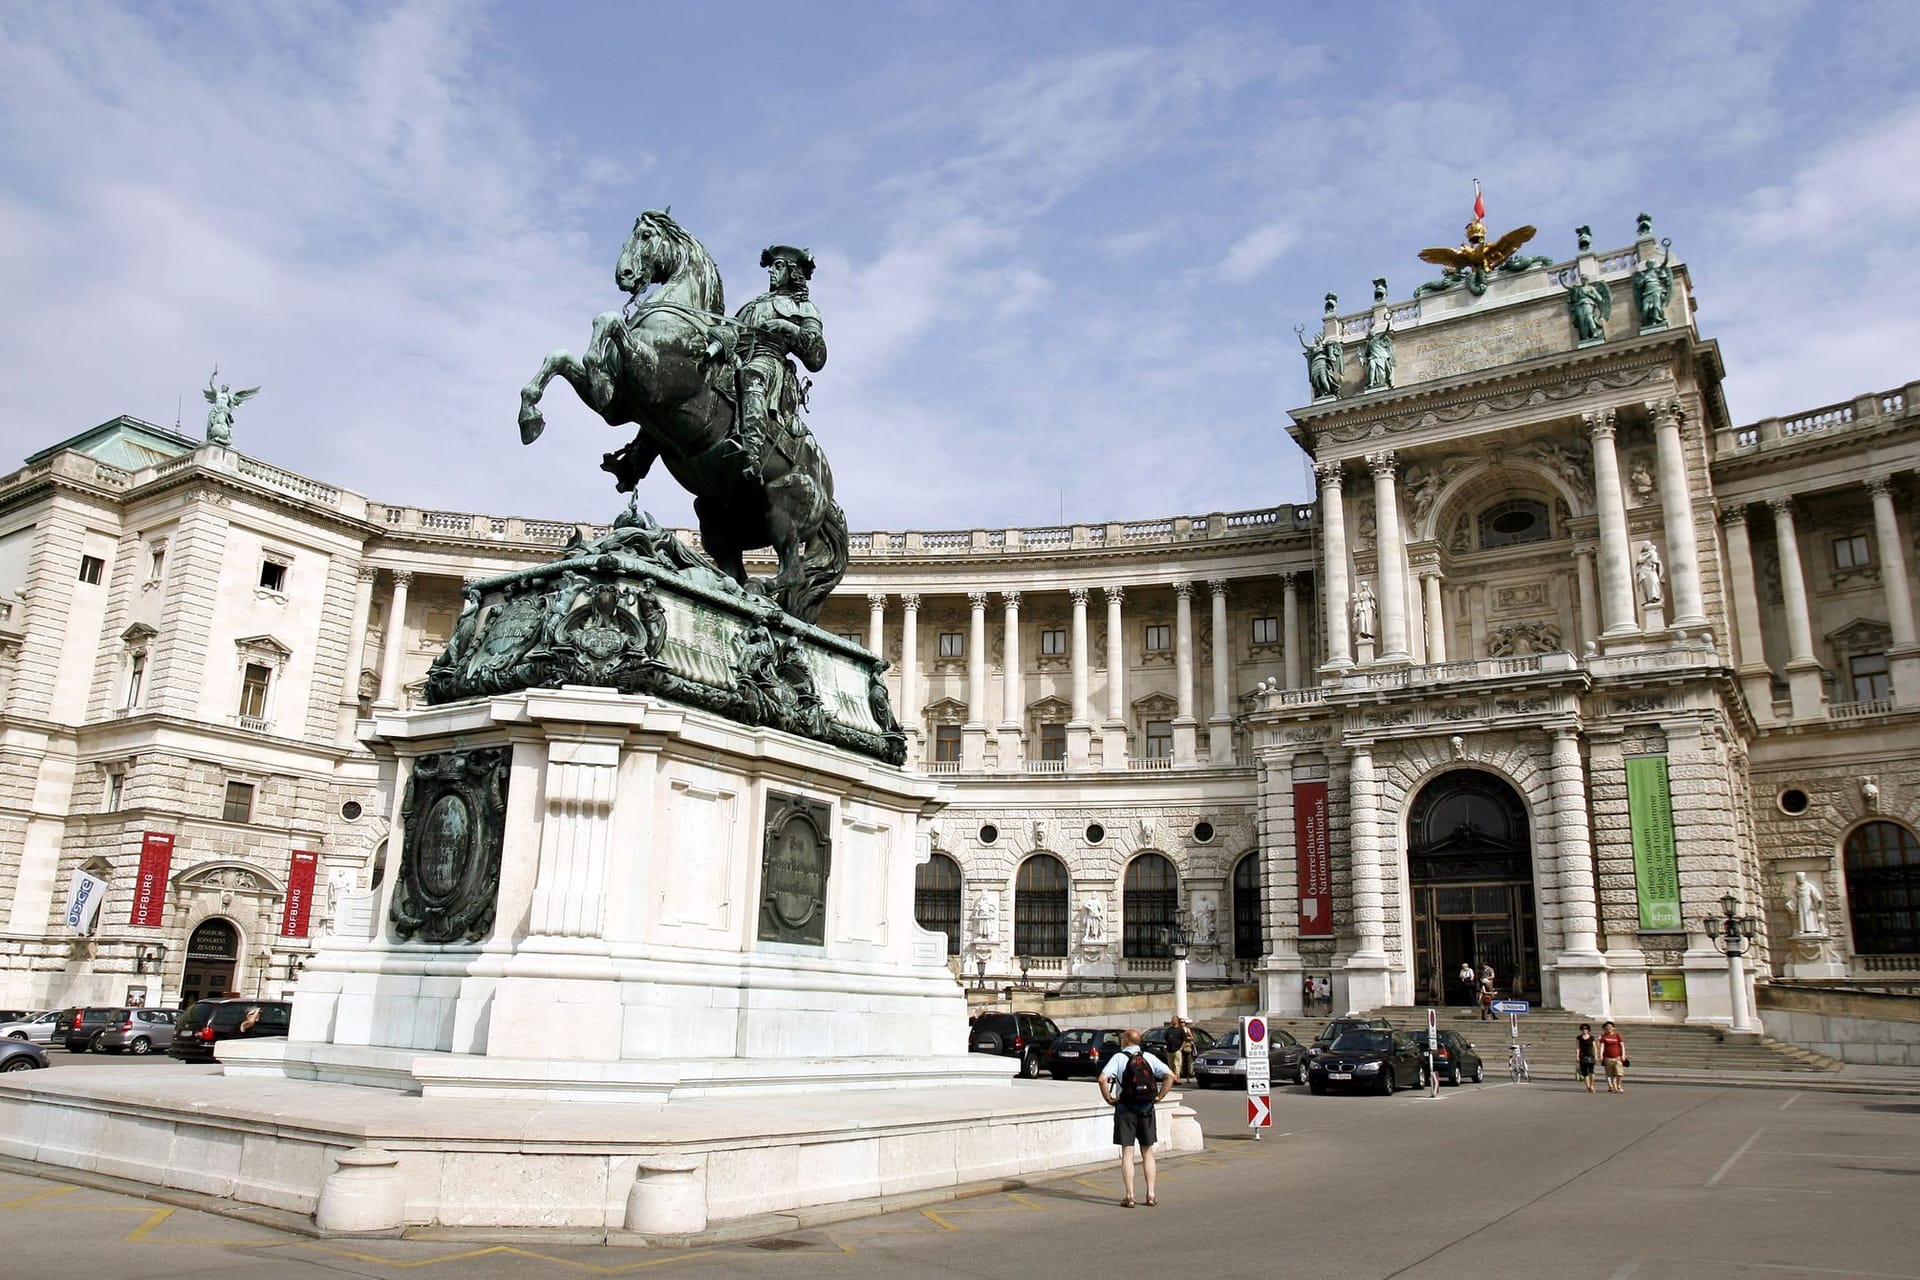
1253 1046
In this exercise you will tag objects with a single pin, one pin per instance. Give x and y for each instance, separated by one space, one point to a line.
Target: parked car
21 1055
1155 1042
17 1015
137 1031
1454 1057
1026 1036
1339 1027
1226 1062
37 1027
1372 1059
80 1026
1082 1051
208 1022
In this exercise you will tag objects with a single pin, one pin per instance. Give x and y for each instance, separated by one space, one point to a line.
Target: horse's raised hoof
531 424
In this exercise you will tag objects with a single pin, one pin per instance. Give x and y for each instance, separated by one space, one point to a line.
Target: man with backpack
1133 1081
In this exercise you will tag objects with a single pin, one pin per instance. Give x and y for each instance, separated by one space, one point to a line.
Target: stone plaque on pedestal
797 855
452 820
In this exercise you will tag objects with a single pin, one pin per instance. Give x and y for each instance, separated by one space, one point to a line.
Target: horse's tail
825 565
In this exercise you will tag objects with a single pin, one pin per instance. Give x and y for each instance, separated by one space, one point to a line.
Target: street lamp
980 967
1026 963
1176 938
1731 932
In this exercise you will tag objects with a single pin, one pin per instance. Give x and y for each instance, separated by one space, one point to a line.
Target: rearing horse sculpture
662 366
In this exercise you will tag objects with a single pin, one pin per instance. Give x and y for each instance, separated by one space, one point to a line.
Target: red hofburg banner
1312 863
150 886
300 875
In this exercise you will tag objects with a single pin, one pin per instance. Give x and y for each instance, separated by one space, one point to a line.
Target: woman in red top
1613 1058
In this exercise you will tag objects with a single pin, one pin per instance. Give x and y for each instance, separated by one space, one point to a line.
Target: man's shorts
1131 1126
1615 1069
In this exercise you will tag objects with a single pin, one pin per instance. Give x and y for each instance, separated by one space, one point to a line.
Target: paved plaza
1500 1180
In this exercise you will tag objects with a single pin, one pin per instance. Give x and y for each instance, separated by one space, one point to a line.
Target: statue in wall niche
1590 302
1321 378
1808 906
1093 922
1366 612
223 400
1647 574
986 918
1640 482
1203 922
1653 287
1870 794
1378 354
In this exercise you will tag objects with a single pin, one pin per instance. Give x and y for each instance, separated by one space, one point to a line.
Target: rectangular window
1159 739
253 691
136 677
853 638
239 803
1053 742
1266 631
1053 644
116 791
1870 680
1851 553
91 567
273 575
946 743
1159 637
953 644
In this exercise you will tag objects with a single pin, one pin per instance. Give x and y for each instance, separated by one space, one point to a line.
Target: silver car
39 1028
136 1031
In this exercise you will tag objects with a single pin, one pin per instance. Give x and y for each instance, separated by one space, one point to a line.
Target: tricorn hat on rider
802 258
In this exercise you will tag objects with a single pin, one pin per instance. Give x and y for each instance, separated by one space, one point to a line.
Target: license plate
1339 1075
1069 1053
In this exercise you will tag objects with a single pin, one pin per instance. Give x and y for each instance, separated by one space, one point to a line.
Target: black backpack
1137 1084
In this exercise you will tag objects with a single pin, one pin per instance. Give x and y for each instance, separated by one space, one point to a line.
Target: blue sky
1062 247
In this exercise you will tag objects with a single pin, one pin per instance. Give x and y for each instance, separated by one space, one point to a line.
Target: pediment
1050 709
947 711
1861 635
1155 705
264 647
138 633
227 877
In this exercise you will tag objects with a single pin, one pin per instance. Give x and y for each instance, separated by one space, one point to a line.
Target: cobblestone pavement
1500 1180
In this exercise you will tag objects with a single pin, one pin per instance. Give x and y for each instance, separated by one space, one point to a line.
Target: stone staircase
1549 1035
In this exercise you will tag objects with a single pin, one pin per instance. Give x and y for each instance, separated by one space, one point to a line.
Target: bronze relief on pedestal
796 858
454 831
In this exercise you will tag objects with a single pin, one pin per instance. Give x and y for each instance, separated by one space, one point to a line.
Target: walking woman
1613 1058
1587 1048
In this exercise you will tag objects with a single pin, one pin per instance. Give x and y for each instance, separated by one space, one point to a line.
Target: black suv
79 1028
208 1022
1026 1036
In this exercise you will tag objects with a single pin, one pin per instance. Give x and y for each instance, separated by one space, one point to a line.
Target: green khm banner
1656 863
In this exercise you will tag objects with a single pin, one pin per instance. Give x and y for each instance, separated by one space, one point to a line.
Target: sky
1061 247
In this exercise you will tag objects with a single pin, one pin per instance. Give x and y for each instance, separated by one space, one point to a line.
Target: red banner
300 875
150 887
1312 864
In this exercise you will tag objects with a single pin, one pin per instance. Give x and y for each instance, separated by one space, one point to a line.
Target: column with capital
1803 667
1903 655
1616 566
1220 723
910 713
1185 727
1113 731
1756 677
877 623
1676 511
1436 617
1013 689
1080 727
973 731
394 640
1290 627
1582 968
1369 980
356 652
1392 570
1335 595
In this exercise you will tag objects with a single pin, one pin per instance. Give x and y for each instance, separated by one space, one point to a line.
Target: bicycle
1517 1063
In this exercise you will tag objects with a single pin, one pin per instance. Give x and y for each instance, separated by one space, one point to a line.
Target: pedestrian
1613 1058
1467 984
1176 1047
1133 1081
1585 1049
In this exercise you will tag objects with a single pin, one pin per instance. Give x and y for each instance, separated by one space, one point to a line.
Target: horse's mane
697 268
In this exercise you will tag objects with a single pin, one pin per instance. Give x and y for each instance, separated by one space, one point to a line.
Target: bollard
366 1193
669 1197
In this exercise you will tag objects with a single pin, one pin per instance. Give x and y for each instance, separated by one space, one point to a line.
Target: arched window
1151 903
1247 942
1040 907
1883 889
1513 522
936 898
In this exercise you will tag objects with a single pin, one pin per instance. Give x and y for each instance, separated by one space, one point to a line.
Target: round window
989 833
1203 831
1095 833
351 811
1512 522
1794 802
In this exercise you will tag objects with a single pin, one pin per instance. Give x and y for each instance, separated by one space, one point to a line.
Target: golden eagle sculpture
1476 260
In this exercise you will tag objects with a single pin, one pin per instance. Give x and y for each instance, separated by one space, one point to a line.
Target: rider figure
779 323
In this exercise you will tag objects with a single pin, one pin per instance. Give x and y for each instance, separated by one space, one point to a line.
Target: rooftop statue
718 402
1475 261
224 400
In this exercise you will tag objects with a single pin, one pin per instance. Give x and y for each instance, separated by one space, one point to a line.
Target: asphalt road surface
1499 1180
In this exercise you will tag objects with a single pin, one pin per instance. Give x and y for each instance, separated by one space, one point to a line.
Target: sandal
1151 1202
1127 1203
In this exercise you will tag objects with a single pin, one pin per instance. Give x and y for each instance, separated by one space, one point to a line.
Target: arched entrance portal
1470 870
212 952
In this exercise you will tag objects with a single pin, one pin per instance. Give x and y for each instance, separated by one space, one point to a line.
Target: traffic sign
1253 1048
1259 1111
1511 1006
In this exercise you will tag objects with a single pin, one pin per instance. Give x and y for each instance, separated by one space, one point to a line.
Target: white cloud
1850 192
1255 253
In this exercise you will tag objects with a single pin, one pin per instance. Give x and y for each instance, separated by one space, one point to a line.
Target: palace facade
1559 657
